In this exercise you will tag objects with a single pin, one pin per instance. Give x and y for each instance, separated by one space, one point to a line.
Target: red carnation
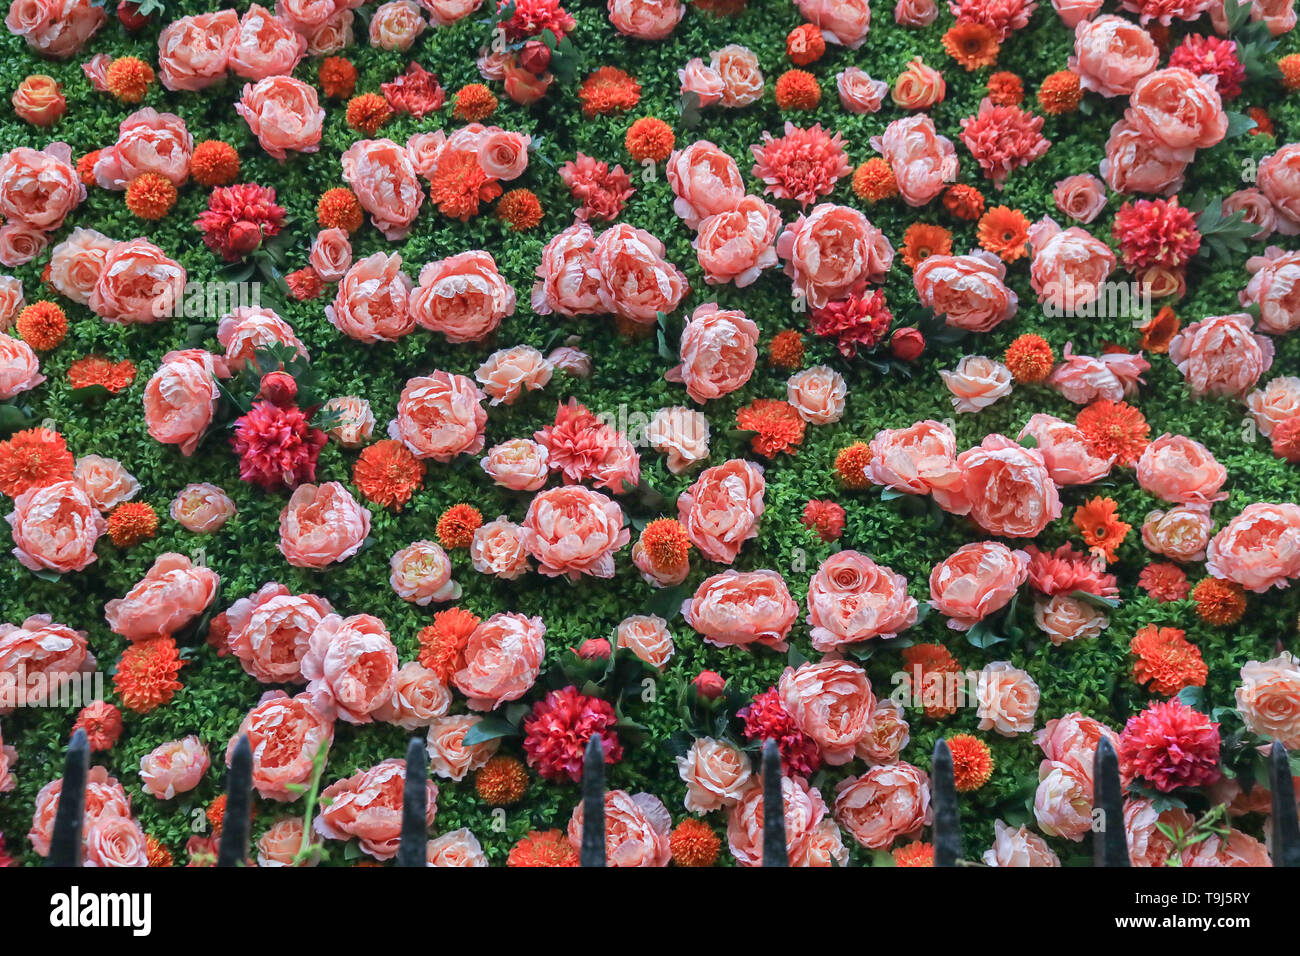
860 321
1065 571
1170 745
238 218
601 190
533 16
824 517
801 165
277 447
1003 138
766 719
557 731
585 449
417 91
1213 55
1156 232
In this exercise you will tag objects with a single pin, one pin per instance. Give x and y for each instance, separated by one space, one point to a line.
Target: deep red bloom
601 190
557 731
1156 232
1170 745
766 719
709 684
1214 55
238 218
824 517
1065 570
417 91
533 16
860 321
277 447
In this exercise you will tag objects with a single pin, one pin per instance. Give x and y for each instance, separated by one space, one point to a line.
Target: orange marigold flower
460 184
805 44
666 544
922 240
940 675
1159 332
1029 359
216 813
33 458
474 102
457 525
964 202
214 163
388 474
797 90
1004 232
972 762
914 854
520 209
1005 89
442 643
304 283
1060 93
132 522
1289 67
97 370
156 852
368 112
339 208
86 167
1114 428
874 180
650 138
150 196
1166 660
777 426
128 78
502 781
851 463
608 90
146 674
543 848
338 77
42 325
972 44
786 350
1102 530
1219 602
693 843
1263 125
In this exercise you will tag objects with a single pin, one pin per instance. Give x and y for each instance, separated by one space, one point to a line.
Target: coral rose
1276 402
350 666
887 803
1081 197
55 528
20 369
1008 699
248 329
721 510
174 767
817 394
574 531
396 25
568 279
845 22
742 608
1273 289
105 480
1177 469
41 647
742 80
1063 619
637 828
503 657
680 433
508 373
737 245
705 181
718 350
138 283
39 188
1069 266
975 581
1178 109
716 774
147 142
1279 180
977 382
915 460
322 524
421 573
1268 699
500 548
202 508
181 398
805 817
372 303
1112 54
1019 847
266 45
449 755
419 698
173 592
1066 451
464 297
636 282
646 636
518 464
55 28
456 848
853 599
1137 163
1180 533
646 19
859 93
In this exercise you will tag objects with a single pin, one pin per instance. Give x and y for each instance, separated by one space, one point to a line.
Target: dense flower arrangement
686 374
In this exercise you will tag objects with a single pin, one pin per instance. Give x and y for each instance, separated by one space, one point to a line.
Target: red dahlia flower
1003 138
1214 55
277 447
1170 745
1065 571
238 218
533 16
557 731
1156 232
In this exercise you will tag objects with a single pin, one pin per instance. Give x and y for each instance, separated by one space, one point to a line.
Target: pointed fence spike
232 850
1286 827
947 823
775 852
413 850
1109 842
593 804
65 841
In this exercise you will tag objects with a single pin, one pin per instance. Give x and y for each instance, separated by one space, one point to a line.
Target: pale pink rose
1072 740
705 181
831 702
456 848
845 22
887 803
421 573
1111 54
977 383
574 531
680 433
716 774
247 329
1273 404
331 36
742 80
11 294
147 142
104 480
518 464
833 252
20 369
331 254
919 87
718 350
440 416
266 45
202 508
380 173
1268 699
1178 109
114 841
1008 699
1020 847
1257 208
1064 618
1258 549
174 767
703 80
502 660
1083 379
38 188
1147 831
1073 12
20 244
350 666
887 734
1066 451
721 510
1273 289
915 13
1068 266
922 160
396 25
968 291
368 805
286 734
321 525
1180 534
817 394
647 636
304 14
1081 197
55 28
636 282
463 296
105 800
40 647
356 421
852 599
372 303
181 398
446 12
859 93
508 373
194 52
1007 489
1278 178
280 844
1180 470
138 284
742 608
915 460
736 246
55 528
419 698
271 630
1137 163
172 594
637 828
646 19
500 548
503 154
568 277
975 581
805 814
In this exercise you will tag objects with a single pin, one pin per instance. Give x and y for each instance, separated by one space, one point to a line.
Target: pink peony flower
1259 548
719 348
174 767
742 608
350 666
321 525
853 599
170 596
502 660
721 510
574 531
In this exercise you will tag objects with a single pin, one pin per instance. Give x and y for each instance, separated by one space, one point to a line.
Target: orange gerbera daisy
972 762
457 525
874 180
922 240
33 458
1157 333
1219 602
459 185
1114 428
442 643
97 370
1004 232
777 425
964 202
694 843
543 848
608 90
1102 529
146 674
1166 660
388 474
850 463
972 44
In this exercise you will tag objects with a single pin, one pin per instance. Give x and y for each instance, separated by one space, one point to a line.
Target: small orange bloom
457 525
502 781
1219 602
1004 232
972 44
914 854
1157 334
520 209
214 163
649 138
42 325
1102 530
128 79
1166 660
1029 359
132 522
474 103
972 762
777 426
368 112
922 240
1060 93
797 90
850 465
339 208
805 44
442 643
150 196
874 180
1114 428
543 848
338 77
388 474
1289 67
1005 89
33 458
666 544
146 674
694 843
964 202
786 350
608 90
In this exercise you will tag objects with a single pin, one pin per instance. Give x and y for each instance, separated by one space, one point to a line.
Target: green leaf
489 728
1238 123
13 417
